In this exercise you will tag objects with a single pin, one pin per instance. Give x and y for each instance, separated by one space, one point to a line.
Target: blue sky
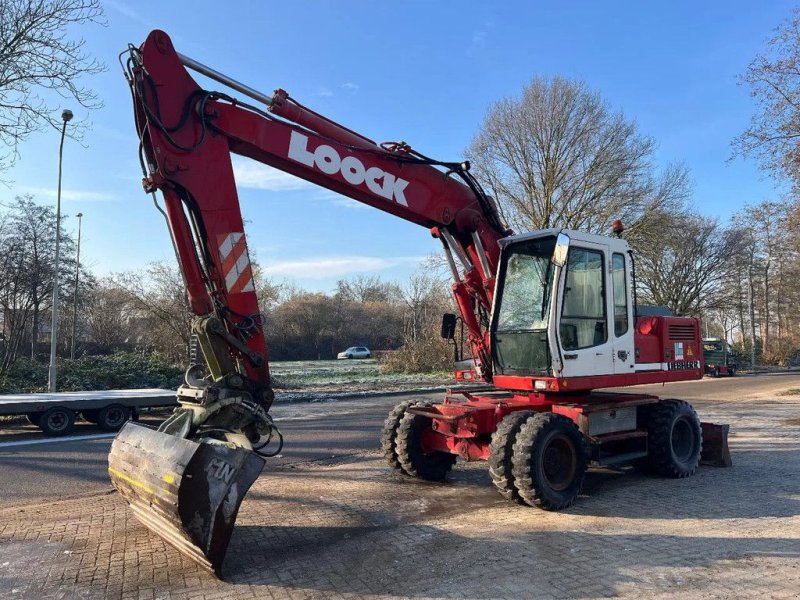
418 71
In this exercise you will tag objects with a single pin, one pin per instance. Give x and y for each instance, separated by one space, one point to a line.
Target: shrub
123 370
423 355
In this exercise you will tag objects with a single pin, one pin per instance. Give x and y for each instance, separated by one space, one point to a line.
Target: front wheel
549 461
433 466
675 439
389 434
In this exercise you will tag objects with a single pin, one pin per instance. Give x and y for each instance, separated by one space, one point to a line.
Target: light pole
66 116
75 295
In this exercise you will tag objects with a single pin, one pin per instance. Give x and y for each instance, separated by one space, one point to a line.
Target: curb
334 396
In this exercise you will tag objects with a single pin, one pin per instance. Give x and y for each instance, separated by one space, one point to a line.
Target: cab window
620 294
583 313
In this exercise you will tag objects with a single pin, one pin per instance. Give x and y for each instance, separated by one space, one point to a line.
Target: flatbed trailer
55 413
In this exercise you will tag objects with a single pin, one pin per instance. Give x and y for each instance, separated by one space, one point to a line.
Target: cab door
620 306
587 345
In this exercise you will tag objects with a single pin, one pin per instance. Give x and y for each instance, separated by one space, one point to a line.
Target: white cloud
327 266
71 195
325 92
250 174
346 202
351 87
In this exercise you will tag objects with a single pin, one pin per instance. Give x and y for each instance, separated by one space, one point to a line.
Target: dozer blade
715 451
187 492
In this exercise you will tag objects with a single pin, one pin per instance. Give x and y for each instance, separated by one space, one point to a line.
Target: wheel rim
115 417
57 421
559 461
682 440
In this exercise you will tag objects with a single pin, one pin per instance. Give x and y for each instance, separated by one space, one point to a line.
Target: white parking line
58 440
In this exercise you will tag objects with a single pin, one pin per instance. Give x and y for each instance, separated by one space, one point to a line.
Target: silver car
355 352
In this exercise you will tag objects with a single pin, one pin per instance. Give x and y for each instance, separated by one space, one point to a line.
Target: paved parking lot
347 527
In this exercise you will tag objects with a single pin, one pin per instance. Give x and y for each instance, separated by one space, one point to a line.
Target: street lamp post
66 116
75 294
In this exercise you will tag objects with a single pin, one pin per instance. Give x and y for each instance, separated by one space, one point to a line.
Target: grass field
336 377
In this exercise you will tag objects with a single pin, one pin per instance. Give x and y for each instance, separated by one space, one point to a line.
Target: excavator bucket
715 452
187 492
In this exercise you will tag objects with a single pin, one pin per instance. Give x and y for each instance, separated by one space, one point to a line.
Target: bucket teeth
187 492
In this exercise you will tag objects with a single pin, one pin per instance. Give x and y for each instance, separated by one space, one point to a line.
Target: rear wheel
549 461
112 417
389 433
501 451
433 466
675 439
56 421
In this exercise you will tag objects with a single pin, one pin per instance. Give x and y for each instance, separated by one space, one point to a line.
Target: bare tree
40 60
774 81
685 267
558 156
158 297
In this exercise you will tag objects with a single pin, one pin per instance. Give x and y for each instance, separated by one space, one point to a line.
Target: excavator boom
186 480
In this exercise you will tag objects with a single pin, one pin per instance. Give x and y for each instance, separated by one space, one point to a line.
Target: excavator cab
563 306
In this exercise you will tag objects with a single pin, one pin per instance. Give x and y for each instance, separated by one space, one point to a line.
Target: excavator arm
188 135
187 480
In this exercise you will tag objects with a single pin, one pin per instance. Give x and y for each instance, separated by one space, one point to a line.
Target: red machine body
550 317
188 135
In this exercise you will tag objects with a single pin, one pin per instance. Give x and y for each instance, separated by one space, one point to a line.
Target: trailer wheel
89 415
56 421
112 417
34 418
501 451
549 461
731 371
433 466
389 434
675 439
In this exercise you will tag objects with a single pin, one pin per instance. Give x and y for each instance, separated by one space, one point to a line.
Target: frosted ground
325 379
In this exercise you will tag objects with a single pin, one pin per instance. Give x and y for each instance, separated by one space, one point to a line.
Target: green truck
719 358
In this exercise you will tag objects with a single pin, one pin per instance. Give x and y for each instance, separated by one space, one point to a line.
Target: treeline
146 311
742 278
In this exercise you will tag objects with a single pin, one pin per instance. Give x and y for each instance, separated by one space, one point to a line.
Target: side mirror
561 250
448 326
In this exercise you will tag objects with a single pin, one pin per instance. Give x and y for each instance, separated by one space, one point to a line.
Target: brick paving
349 528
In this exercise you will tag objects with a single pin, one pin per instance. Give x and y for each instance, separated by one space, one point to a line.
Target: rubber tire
90 415
715 372
389 434
113 417
57 421
661 421
431 466
731 371
501 451
532 440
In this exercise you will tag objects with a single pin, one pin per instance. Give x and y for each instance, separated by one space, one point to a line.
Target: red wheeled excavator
546 317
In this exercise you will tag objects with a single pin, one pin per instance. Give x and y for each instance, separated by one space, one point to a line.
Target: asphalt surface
35 469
